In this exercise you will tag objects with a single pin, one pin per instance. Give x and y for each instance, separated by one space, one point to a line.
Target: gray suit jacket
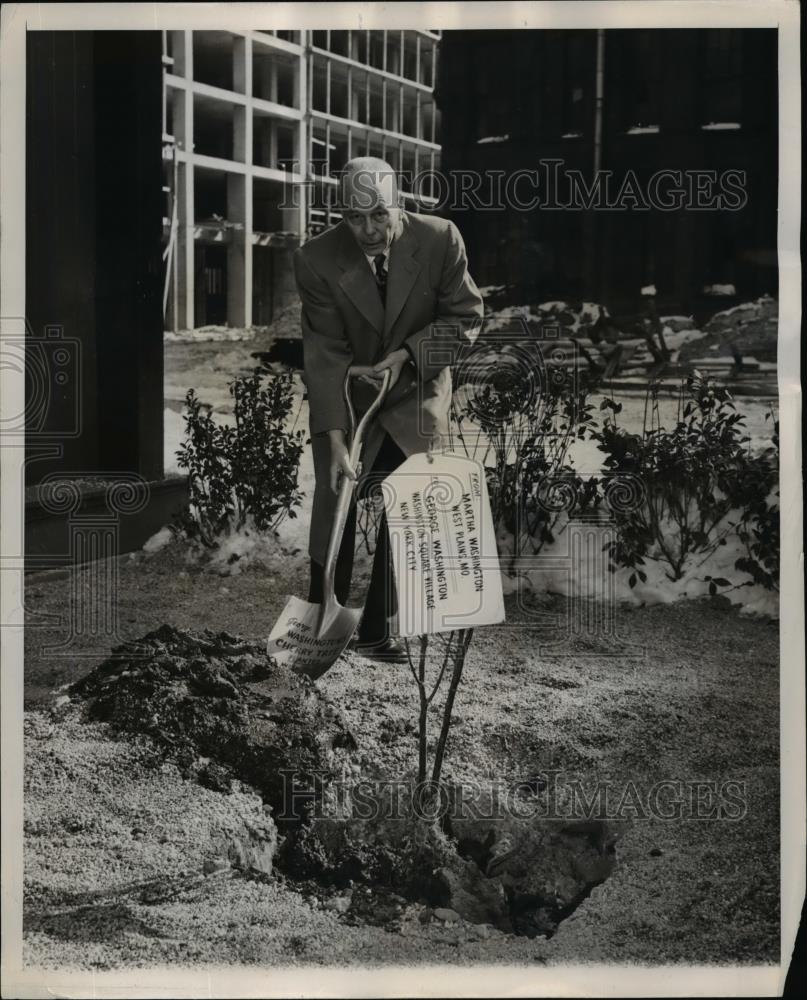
432 302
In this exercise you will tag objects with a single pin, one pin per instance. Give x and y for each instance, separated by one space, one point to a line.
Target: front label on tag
443 545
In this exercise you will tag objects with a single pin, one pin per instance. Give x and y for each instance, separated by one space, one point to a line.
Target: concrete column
272 143
240 46
179 53
183 49
236 255
288 215
284 288
394 122
303 129
248 183
273 80
240 117
297 98
352 100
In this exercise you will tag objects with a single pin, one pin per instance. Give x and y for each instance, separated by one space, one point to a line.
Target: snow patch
237 548
675 339
553 573
173 436
204 334
158 540
676 323
764 307
570 316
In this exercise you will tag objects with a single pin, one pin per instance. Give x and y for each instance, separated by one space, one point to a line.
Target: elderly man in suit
387 290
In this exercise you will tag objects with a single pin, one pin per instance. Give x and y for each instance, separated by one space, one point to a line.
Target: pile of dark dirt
223 709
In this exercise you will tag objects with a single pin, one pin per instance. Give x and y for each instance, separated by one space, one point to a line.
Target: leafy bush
526 413
249 470
758 526
692 477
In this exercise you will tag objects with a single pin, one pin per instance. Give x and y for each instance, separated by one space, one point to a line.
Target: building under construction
256 127
614 103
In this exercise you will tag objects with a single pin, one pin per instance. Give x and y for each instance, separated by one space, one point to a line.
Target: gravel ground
689 694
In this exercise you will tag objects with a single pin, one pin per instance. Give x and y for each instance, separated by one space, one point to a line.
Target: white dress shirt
371 260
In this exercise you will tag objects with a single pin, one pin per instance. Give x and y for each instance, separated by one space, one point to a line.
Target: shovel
310 638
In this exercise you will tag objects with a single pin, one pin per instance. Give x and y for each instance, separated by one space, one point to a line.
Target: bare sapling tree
455 649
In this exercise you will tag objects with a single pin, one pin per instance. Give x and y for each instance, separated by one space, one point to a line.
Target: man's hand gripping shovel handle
348 485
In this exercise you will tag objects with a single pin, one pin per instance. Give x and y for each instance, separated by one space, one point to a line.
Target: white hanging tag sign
443 545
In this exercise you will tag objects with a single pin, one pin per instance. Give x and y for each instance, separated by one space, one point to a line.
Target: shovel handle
357 434
348 485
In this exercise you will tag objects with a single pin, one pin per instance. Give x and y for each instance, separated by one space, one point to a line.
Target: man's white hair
365 179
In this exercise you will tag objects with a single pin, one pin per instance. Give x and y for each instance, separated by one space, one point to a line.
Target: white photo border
599 980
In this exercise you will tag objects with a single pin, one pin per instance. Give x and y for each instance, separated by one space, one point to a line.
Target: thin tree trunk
424 710
456 676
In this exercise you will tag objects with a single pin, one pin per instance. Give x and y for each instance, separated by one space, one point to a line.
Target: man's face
370 210
373 228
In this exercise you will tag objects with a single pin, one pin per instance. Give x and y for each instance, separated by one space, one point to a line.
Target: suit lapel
358 282
402 272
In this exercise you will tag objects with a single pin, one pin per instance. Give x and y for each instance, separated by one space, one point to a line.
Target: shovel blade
329 612
296 642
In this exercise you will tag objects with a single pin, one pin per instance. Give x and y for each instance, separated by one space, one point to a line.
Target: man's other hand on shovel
340 458
375 373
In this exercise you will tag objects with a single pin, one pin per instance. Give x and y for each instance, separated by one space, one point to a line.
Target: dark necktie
381 276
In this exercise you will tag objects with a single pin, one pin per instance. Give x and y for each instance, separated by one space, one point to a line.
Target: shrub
249 470
758 527
530 408
693 477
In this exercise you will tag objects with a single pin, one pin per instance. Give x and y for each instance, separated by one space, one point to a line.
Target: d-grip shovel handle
348 485
357 435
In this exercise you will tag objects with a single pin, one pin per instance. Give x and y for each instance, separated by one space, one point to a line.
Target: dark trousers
381 602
